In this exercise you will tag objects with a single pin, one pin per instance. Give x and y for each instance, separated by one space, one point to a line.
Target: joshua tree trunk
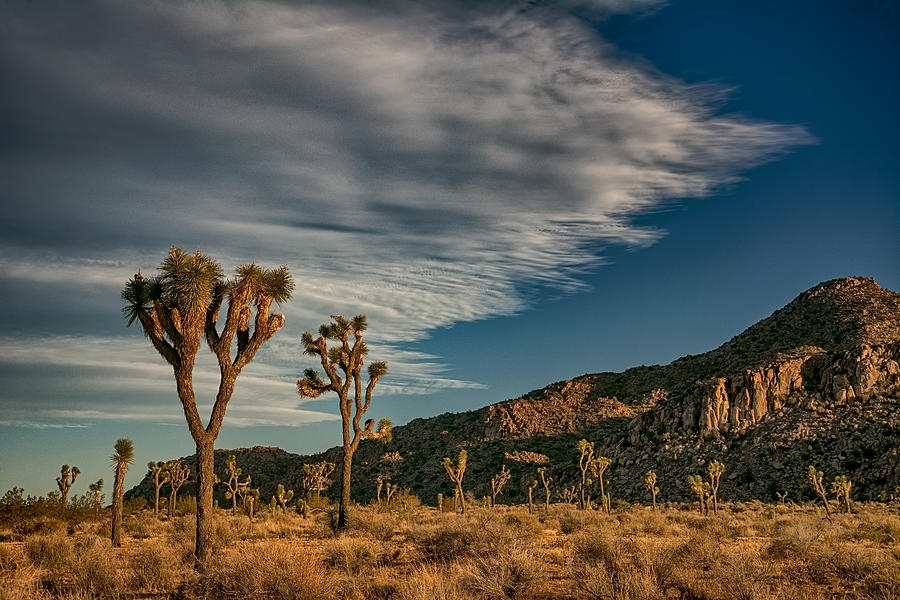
346 468
117 505
530 507
205 479
653 492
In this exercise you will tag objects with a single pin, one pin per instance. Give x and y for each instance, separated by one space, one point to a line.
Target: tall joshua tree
585 458
840 487
65 480
177 309
815 479
546 480
316 477
96 490
715 471
498 481
455 472
528 484
598 467
282 497
343 363
123 455
233 483
159 475
178 474
650 484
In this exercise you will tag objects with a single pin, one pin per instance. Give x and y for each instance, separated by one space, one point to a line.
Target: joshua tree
497 482
840 487
456 472
178 308
390 490
568 495
815 479
158 473
650 484
178 474
66 479
316 477
715 474
233 483
249 496
702 489
347 358
96 490
781 496
598 467
528 484
283 497
123 455
586 456
545 481
379 484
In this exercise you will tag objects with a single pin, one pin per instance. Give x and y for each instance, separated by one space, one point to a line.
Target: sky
514 193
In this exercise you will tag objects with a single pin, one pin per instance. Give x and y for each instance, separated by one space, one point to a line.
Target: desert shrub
456 541
134 504
155 568
353 555
380 526
793 538
49 552
884 582
598 581
94 568
273 571
598 546
430 583
571 521
880 529
510 574
743 577
39 526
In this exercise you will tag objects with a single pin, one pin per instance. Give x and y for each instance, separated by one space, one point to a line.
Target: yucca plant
498 482
528 484
585 458
702 489
546 480
65 480
157 473
282 497
96 490
178 474
715 471
122 456
598 468
840 487
342 363
233 483
650 484
455 472
316 477
815 479
177 309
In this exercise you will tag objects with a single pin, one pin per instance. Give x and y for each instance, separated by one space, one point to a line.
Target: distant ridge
817 382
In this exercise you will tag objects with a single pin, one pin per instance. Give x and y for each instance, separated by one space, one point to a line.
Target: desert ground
407 551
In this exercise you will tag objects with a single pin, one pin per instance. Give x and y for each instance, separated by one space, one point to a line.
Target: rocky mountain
817 382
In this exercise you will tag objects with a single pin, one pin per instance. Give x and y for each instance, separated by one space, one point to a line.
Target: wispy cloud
423 165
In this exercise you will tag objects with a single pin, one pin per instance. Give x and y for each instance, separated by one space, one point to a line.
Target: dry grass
747 552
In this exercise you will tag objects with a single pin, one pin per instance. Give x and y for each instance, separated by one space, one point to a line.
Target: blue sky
514 195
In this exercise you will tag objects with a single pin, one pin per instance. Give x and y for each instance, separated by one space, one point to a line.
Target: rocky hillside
818 382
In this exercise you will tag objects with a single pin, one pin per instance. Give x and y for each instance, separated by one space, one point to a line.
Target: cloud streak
422 165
